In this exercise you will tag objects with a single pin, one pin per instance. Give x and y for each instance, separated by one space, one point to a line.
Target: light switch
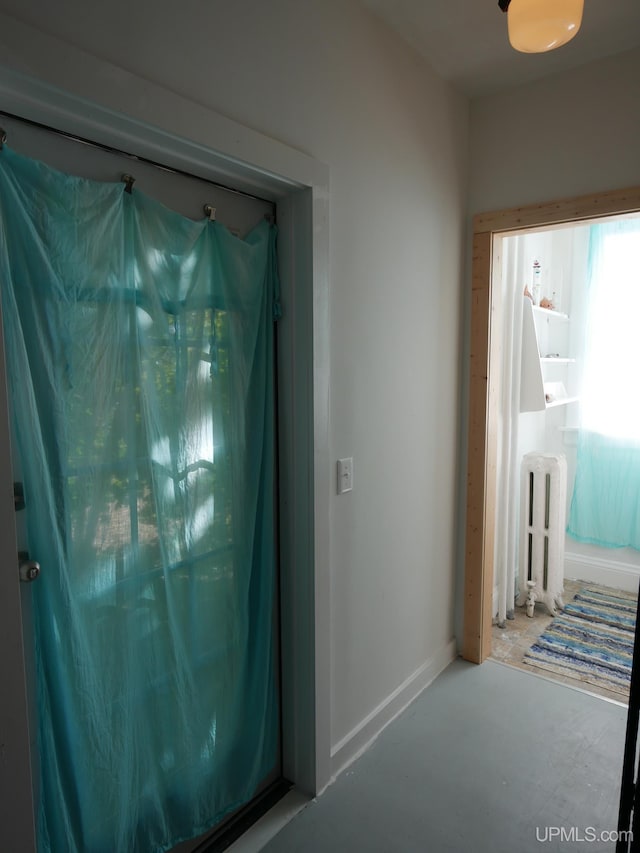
345 475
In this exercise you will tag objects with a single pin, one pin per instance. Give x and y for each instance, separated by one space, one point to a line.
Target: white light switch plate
345 475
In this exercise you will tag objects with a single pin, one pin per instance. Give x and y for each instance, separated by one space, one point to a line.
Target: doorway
124 526
569 352
211 145
487 324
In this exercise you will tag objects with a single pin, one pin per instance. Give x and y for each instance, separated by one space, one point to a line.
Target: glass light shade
536 26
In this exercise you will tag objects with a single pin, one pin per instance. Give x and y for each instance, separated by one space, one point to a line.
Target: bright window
611 402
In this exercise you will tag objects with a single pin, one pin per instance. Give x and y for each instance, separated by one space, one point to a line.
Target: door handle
28 569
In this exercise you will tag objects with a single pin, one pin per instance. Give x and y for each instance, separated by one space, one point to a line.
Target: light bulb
536 26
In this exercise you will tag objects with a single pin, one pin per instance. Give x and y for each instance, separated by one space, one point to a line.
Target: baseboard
605 572
360 738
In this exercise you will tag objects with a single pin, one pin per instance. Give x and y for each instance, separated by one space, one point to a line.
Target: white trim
85 94
70 90
612 573
359 739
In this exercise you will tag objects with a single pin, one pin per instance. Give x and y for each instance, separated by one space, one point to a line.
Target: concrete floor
489 760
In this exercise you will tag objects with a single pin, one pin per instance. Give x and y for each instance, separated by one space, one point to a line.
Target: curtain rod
111 150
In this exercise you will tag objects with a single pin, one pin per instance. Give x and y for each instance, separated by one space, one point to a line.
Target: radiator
542 526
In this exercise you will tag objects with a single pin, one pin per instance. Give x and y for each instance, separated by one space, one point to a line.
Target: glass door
145 493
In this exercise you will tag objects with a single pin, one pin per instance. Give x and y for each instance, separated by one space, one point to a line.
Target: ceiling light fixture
536 26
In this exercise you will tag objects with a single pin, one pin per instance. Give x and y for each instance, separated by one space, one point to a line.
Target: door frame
489 229
116 108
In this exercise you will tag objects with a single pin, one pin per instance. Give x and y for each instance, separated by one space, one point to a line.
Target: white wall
566 135
328 78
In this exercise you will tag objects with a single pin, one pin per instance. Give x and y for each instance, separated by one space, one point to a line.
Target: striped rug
591 640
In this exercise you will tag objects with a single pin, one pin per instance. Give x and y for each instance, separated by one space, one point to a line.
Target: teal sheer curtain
139 347
605 506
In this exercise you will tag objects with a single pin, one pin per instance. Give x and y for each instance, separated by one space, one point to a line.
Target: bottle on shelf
536 283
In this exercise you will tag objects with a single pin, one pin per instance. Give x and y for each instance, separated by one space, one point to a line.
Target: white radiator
542 526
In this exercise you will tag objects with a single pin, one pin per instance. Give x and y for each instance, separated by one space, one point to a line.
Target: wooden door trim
485 344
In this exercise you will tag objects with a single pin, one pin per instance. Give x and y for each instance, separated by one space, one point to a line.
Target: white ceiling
466 41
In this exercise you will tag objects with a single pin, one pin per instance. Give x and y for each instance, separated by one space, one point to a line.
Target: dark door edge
245 818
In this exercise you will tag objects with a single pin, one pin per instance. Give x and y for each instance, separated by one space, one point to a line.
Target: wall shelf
563 401
539 388
550 314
